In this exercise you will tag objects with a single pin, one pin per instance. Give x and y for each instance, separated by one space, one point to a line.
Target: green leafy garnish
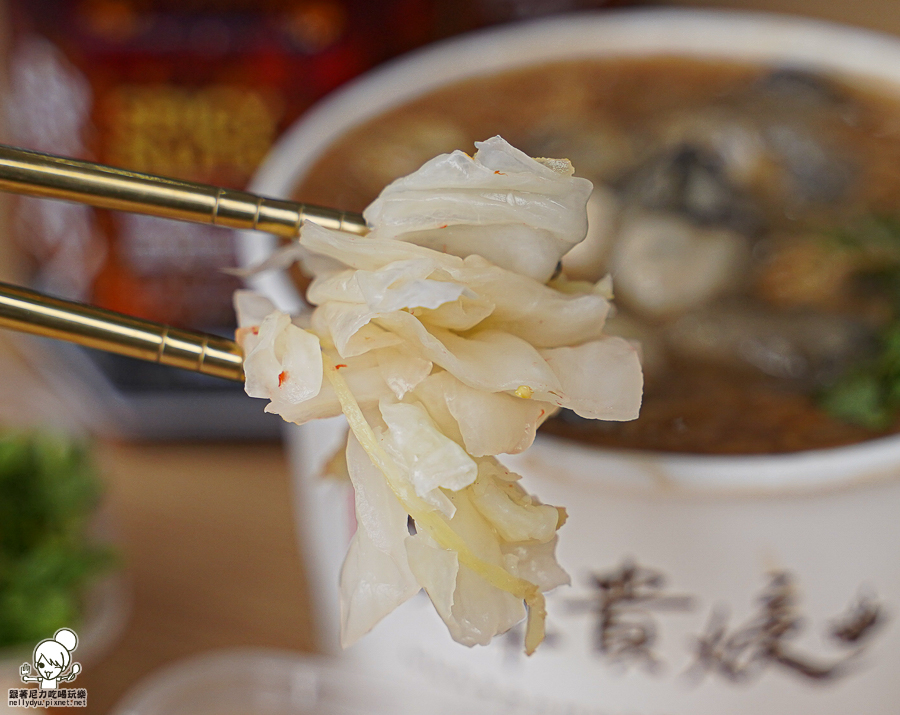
859 400
48 493
869 394
872 232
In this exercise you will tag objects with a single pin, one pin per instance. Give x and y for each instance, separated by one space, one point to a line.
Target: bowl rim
786 40
776 39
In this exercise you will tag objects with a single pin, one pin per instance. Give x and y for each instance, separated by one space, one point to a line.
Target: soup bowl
701 584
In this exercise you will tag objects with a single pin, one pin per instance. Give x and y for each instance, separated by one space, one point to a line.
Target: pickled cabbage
441 340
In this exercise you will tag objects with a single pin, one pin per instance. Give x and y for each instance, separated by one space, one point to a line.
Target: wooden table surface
212 560
881 15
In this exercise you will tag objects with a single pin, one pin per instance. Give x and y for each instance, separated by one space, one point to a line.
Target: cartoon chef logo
52 661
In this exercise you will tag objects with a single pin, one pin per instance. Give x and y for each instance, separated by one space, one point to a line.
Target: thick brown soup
746 214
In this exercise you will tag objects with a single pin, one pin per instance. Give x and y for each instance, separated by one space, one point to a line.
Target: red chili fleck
338 367
500 172
255 330
282 377
542 414
444 226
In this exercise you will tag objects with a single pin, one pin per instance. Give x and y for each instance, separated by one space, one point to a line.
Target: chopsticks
28 311
55 177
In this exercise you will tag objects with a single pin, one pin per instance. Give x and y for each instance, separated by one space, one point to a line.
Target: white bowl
712 525
264 682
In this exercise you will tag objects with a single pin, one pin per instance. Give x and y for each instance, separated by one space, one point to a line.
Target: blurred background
166 494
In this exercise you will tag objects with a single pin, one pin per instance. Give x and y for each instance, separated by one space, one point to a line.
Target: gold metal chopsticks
31 312
56 177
